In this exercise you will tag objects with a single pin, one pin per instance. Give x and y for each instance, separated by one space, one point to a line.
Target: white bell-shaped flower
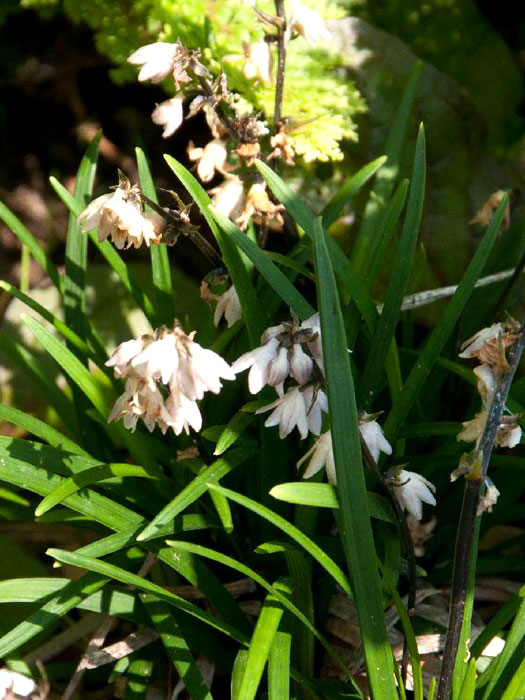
228 306
157 61
411 491
374 437
169 114
321 454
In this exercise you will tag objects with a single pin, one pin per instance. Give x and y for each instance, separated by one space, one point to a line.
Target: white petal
89 219
169 114
279 367
301 365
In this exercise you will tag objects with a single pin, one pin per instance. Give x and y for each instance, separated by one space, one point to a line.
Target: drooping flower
258 62
321 454
489 499
411 491
288 349
210 159
373 436
509 431
282 149
228 197
297 408
307 23
486 212
228 306
260 208
489 344
207 104
173 360
169 114
119 216
157 60
160 59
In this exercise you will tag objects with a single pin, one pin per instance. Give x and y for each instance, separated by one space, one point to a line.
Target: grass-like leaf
444 327
233 431
279 662
468 688
88 478
176 647
181 546
294 533
76 246
335 206
356 529
160 264
409 634
271 273
232 259
387 176
386 325
508 662
262 641
40 430
27 239
67 599
118 574
351 283
41 380
193 491
325 496
71 365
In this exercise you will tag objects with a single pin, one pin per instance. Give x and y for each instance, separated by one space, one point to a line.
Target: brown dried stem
464 555
281 62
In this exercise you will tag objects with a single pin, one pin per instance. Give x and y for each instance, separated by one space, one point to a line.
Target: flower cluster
166 373
321 453
488 346
289 350
223 116
120 216
224 111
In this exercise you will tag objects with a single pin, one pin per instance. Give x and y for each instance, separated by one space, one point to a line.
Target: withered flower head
489 344
258 62
486 212
281 147
259 207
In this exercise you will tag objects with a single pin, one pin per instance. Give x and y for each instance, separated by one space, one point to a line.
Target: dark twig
407 543
225 120
464 555
281 62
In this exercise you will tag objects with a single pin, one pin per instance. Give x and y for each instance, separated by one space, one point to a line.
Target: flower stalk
469 522
281 62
